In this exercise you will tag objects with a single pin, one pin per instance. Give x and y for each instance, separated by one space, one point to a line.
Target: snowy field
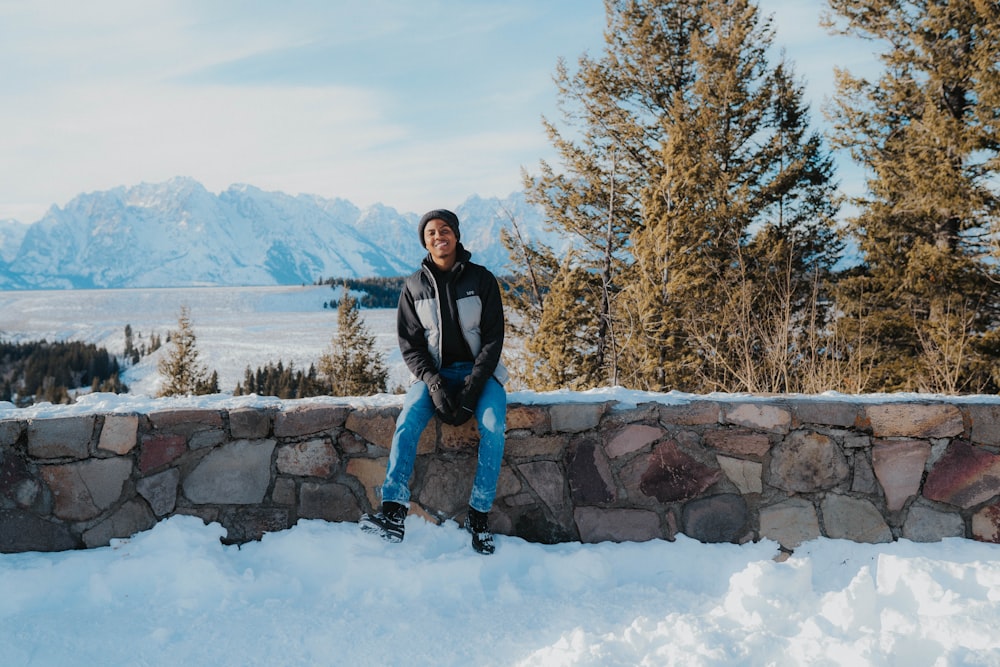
235 327
326 594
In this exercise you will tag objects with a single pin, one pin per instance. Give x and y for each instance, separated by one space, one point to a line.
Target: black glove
442 401
465 403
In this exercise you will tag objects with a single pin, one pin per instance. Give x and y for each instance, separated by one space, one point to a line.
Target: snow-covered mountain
178 234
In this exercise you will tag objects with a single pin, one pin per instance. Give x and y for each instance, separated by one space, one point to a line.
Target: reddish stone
965 476
673 475
632 438
159 450
899 467
986 524
914 420
529 417
739 442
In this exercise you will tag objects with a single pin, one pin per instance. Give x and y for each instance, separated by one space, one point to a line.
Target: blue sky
414 105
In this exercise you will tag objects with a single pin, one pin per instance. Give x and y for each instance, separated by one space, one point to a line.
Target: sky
413 105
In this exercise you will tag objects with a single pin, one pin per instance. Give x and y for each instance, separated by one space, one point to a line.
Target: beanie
446 216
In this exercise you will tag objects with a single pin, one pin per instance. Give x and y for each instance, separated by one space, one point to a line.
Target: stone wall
728 469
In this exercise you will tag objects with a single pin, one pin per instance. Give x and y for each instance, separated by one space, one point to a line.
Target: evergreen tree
182 370
928 134
352 366
690 176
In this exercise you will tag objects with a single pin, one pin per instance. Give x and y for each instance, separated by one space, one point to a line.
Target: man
450 326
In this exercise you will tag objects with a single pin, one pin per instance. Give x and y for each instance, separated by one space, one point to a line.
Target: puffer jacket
480 314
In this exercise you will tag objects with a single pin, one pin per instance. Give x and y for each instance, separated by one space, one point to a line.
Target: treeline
376 292
42 371
351 366
703 211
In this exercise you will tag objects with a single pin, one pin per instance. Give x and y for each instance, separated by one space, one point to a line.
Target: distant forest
381 292
42 371
378 292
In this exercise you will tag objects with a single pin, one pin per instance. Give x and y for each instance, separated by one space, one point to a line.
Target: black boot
478 523
387 524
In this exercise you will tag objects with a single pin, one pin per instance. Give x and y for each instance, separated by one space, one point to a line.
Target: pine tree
928 134
182 370
352 366
739 225
689 177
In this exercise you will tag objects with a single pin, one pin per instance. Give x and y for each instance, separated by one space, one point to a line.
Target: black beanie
447 216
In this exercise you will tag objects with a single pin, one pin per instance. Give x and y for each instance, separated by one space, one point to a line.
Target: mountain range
178 234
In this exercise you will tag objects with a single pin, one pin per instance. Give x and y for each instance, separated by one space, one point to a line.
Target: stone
856 441
10 431
312 458
465 436
377 425
83 490
131 518
185 421
370 473
589 474
826 413
249 423
617 525
673 475
508 484
284 492
160 449
237 473
632 438
160 491
695 413
739 442
309 419
60 437
914 420
119 434
721 518
531 446
759 416
22 531
17 483
804 462
984 423
964 476
546 479
789 523
207 438
746 475
899 467
328 501
244 524
854 519
925 524
986 524
446 485
576 417
863 480
527 417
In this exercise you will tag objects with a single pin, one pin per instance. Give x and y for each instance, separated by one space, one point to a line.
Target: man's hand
442 401
465 403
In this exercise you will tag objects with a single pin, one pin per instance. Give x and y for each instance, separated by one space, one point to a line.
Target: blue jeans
418 409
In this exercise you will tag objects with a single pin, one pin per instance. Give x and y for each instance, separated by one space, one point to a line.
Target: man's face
439 239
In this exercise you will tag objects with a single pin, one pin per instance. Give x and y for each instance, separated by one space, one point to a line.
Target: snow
326 594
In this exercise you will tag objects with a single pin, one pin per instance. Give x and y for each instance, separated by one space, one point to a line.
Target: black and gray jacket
480 314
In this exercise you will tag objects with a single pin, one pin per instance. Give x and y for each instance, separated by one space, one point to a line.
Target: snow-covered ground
326 594
235 327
